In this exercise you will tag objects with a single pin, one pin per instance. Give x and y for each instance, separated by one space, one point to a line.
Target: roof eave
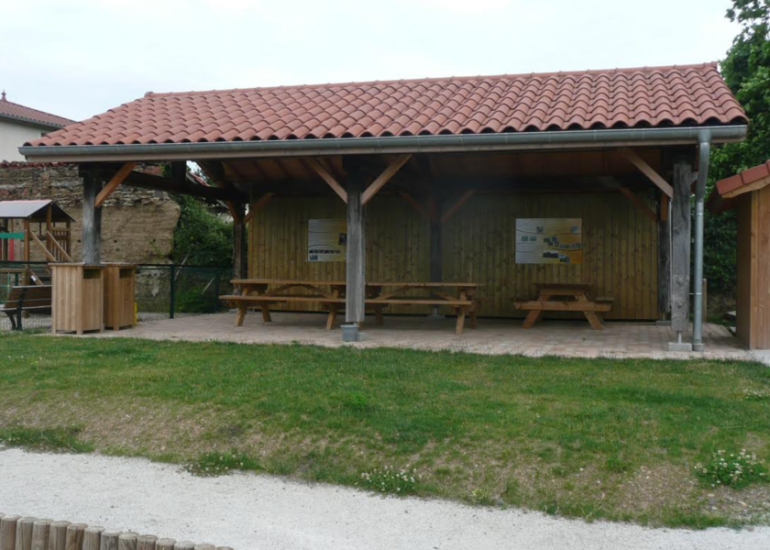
563 139
32 122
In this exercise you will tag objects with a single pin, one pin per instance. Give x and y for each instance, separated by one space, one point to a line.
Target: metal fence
163 291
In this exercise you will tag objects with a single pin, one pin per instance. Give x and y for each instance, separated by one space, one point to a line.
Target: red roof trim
742 179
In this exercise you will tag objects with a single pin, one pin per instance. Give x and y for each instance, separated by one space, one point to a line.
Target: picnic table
564 297
330 295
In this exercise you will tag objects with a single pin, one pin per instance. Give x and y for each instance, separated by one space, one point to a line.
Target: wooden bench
574 297
334 305
33 299
377 298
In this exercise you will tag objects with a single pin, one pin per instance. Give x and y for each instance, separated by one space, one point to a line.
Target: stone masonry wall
137 224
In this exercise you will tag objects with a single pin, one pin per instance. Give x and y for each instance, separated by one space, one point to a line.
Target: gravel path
254 512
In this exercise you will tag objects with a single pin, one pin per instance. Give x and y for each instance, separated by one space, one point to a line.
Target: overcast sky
78 58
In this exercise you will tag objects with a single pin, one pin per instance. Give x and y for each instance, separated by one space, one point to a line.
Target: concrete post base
679 346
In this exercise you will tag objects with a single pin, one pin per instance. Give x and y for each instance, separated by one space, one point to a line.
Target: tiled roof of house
9 109
646 97
748 177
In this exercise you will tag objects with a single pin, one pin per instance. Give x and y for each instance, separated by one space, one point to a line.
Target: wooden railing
53 250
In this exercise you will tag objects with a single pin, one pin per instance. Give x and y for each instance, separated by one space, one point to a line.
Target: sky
78 58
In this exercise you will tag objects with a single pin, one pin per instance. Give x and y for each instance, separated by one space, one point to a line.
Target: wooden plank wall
620 247
753 307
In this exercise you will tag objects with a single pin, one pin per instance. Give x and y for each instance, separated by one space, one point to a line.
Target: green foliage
201 237
736 470
45 439
747 72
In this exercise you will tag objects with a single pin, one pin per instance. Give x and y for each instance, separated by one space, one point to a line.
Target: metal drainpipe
700 194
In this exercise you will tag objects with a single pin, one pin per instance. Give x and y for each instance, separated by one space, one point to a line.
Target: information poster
549 241
327 240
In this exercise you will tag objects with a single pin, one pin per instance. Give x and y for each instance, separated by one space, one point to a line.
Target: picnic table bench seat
32 299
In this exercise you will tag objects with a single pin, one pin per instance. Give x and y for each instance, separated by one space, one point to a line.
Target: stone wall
137 224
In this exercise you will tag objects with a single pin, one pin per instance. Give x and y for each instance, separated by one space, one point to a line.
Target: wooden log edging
29 533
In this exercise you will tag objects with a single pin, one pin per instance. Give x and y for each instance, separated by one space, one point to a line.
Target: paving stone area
564 338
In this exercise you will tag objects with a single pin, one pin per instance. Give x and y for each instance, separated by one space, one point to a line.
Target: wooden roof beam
316 166
148 181
255 207
456 206
114 183
648 171
394 166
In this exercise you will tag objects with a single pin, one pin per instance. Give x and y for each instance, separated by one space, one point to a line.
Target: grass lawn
616 439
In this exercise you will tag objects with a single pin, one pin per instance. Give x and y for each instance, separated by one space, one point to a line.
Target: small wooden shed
749 194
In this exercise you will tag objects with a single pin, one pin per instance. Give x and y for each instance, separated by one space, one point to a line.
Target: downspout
700 194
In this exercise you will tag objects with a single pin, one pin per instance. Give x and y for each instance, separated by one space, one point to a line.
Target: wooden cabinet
119 282
77 297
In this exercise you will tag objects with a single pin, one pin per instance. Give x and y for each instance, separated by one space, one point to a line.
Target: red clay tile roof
9 109
662 96
747 177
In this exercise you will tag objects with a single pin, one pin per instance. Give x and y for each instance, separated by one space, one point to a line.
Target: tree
746 71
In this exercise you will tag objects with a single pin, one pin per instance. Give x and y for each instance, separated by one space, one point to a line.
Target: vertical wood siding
620 247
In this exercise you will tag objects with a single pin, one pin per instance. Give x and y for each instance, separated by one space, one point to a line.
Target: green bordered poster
327 240
549 241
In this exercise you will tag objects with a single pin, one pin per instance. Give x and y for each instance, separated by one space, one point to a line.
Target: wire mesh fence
163 291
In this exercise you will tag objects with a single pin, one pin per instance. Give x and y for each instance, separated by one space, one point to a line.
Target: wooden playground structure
33 224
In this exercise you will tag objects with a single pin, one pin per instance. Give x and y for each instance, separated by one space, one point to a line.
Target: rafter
648 171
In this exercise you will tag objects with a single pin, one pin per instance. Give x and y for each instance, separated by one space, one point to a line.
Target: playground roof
33 210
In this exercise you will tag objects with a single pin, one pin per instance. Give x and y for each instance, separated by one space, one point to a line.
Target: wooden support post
92 537
240 252
40 532
91 251
146 542
127 541
355 293
680 247
57 536
664 258
436 270
165 544
24 533
109 540
75 534
8 532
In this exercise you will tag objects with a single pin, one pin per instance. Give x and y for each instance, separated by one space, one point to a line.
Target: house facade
20 124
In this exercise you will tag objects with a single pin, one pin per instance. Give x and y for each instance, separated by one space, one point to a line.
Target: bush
733 470
201 237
